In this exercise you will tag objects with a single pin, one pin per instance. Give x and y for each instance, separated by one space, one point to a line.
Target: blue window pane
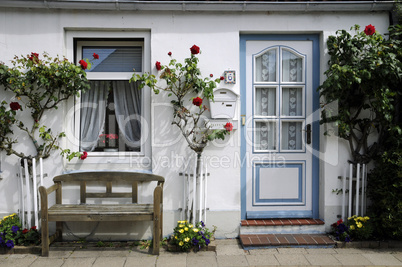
114 59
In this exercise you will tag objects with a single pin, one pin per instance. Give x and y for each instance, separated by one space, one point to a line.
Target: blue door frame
316 106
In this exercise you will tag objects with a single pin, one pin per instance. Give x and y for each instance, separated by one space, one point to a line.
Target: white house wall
23 31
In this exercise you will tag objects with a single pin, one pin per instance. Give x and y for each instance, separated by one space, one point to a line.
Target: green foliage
360 228
40 83
181 81
12 234
364 77
187 236
385 192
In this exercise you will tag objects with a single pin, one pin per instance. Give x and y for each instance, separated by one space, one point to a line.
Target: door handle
308 132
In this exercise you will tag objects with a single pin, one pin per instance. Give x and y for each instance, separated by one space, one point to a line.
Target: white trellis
28 193
357 185
194 208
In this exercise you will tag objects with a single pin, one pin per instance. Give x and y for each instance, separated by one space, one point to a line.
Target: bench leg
45 237
59 231
156 237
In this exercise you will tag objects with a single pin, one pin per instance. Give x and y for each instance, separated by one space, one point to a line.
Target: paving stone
18 260
352 259
47 262
233 241
291 259
115 253
230 250
263 251
140 261
292 251
110 261
320 251
262 260
232 260
382 259
201 261
81 262
85 253
322 259
171 261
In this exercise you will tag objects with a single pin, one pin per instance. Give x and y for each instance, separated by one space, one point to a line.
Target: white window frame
124 159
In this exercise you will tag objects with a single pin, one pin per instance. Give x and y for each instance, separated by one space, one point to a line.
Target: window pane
291 135
265 67
292 67
111 117
265 99
292 101
114 59
265 135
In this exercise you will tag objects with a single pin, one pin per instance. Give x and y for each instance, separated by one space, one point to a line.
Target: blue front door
279 129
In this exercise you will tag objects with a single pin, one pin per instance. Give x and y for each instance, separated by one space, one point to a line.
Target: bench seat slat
104 212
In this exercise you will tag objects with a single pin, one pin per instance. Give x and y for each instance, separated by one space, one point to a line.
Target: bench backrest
109 177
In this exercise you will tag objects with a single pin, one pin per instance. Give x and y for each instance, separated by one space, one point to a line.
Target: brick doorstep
266 240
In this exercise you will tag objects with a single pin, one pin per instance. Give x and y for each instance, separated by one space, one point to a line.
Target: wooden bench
101 212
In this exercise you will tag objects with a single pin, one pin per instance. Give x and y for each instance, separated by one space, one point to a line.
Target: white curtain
292 67
266 67
265 135
127 100
291 135
265 101
93 110
292 101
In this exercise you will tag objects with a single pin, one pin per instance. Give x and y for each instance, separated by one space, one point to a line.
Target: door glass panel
265 101
265 135
292 67
265 67
291 135
292 101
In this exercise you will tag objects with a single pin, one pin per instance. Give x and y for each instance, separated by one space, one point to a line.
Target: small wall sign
230 76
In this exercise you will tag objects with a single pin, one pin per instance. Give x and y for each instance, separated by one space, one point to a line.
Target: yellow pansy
181 231
190 225
181 225
195 230
181 243
186 239
352 227
185 228
359 224
366 218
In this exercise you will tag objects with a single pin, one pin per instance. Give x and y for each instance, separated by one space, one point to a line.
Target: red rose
170 53
339 222
96 56
15 106
158 65
84 155
197 101
33 227
34 57
195 50
83 64
222 78
369 30
228 127
25 231
211 75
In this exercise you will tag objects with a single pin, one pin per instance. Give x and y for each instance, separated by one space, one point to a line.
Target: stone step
282 226
251 241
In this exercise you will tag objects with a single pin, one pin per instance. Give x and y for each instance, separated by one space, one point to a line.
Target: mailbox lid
225 95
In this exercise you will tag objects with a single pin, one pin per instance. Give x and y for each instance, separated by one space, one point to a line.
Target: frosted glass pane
265 101
265 67
291 135
292 67
265 135
292 101
114 59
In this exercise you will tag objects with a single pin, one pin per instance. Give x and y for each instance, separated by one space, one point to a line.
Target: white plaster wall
25 31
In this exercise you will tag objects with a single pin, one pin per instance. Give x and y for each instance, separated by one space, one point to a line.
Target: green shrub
385 192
